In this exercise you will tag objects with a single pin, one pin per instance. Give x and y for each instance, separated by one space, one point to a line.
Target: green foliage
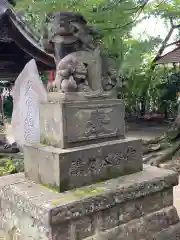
165 9
8 107
115 20
7 168
44 77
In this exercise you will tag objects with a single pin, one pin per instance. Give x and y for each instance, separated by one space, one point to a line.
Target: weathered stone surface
11 179
18 224
65 169
79 96
143 228
62 231
42 166
68 124
86 200
120 214
171 233
83 227
124 212
139 204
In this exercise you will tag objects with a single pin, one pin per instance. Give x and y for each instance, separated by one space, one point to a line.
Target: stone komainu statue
80 63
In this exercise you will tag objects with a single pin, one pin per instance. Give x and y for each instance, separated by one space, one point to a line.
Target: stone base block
134 207
64 169
67 124
148 227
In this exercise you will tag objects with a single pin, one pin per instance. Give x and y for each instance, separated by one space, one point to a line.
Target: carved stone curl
80 64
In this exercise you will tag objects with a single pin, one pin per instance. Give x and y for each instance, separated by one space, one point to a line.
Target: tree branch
177 26
170 44
140 9
164 43
171 22
160 3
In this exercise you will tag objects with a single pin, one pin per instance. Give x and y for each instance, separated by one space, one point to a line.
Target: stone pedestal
137 206
64 169
106 193
66 123
82 142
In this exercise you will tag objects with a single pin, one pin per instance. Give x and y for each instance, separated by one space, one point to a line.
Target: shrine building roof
172 56
19 43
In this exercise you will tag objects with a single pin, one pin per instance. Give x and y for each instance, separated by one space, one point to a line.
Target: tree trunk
143 106
154 145
174 131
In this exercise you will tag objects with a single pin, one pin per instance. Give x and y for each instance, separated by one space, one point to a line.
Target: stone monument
27 92
85 181
82 125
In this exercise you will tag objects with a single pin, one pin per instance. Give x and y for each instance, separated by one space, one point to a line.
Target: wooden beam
8 68
28 47
11 58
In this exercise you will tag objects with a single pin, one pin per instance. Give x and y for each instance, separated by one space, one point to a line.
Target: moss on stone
43 144
63 200
52 188
79 193
88 192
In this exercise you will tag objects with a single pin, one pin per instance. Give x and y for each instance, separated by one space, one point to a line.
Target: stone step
171 233
144 197
145 228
